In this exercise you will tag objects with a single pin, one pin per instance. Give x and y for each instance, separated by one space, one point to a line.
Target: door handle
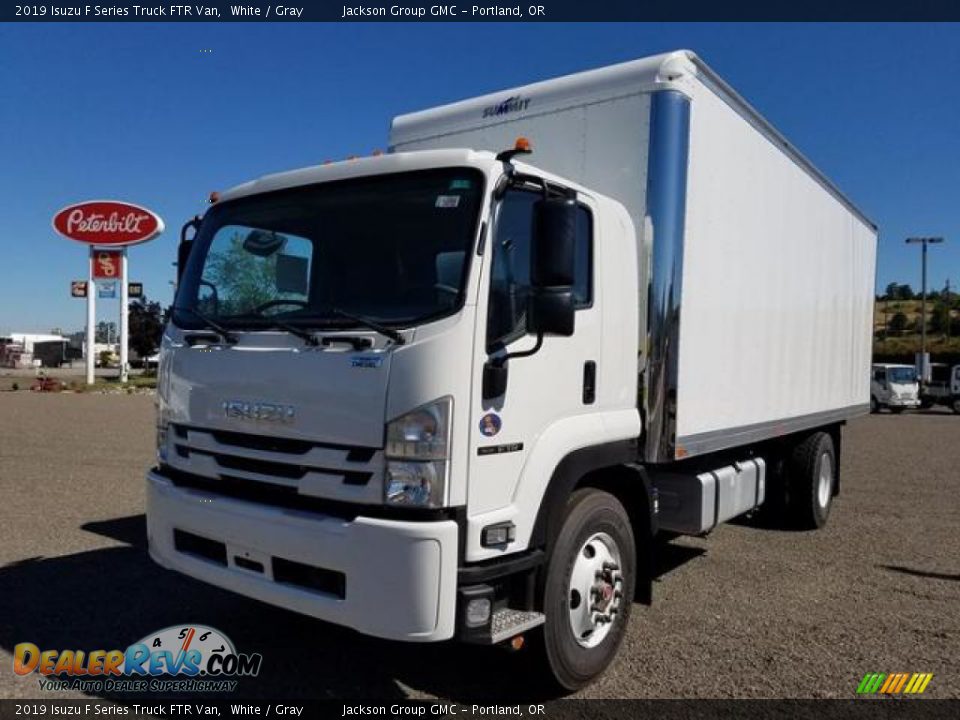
589 382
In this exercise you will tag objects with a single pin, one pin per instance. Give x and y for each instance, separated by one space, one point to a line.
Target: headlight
416 452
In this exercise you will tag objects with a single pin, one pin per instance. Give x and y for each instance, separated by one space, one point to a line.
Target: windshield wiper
307 336
226 335
372 324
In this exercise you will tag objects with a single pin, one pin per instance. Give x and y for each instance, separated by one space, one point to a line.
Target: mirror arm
501 360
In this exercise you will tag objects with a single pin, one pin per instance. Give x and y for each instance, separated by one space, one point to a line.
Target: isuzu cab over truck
894 387
443 393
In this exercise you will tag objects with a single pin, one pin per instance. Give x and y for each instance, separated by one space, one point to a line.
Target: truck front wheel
812 472
589 588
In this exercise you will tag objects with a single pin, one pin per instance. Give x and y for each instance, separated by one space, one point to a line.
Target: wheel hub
825 484
596 590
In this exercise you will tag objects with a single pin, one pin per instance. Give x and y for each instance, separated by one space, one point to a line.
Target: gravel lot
745 612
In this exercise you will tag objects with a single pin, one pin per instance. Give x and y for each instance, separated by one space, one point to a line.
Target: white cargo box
760 273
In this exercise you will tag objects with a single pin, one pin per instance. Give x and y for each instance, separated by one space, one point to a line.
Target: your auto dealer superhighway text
443 709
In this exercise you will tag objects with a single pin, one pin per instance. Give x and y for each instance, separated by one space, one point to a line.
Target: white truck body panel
777 266
778 281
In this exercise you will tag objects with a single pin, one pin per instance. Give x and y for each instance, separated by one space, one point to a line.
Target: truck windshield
901 375
393 249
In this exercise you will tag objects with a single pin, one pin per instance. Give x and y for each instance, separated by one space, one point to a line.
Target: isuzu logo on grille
259 411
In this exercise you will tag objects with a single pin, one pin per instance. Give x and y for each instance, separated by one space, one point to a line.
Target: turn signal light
523 145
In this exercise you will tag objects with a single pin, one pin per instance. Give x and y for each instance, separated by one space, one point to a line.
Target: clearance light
497 535
478 611
523 145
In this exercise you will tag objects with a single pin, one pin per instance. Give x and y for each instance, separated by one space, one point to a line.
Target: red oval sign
107 222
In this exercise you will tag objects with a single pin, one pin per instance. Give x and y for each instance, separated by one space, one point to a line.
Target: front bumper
903 402
392 579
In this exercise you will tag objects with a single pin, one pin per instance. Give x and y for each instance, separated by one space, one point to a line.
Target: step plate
507 622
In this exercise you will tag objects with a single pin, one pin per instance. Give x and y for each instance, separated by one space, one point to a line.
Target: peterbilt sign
107 222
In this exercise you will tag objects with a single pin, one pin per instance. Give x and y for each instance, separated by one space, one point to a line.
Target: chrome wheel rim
825 483
595 593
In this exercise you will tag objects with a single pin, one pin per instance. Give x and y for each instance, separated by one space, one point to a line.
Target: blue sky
138 112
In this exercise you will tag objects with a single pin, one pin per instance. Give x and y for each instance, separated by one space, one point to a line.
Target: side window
510 275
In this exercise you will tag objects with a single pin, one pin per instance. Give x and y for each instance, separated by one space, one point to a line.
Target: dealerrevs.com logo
180 658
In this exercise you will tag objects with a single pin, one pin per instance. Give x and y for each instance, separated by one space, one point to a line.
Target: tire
874 405
595 522
812 478
955 405
897 410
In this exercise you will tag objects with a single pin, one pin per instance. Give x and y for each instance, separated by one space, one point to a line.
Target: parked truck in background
895 387
943 387
442 393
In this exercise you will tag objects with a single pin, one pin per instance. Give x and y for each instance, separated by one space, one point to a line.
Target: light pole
925 241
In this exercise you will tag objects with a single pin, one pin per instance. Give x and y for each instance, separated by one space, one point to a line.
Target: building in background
26 350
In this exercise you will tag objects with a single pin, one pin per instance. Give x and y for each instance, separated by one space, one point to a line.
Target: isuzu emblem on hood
259 411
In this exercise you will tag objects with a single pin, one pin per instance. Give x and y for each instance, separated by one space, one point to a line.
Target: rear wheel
812 473
589 588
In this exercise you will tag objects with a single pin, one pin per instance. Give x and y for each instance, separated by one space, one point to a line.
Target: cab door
555 382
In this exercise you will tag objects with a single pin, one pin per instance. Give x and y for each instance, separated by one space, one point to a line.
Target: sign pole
124 320
91 320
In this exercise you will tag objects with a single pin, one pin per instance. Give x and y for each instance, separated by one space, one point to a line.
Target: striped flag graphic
894 683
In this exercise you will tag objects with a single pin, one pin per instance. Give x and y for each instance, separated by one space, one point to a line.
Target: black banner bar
486 11
194 708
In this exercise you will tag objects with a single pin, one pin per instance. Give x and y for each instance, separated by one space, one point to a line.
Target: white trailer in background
483 386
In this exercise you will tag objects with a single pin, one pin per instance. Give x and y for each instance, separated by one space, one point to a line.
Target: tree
905 292
242 279
106 332
898 323
939 318
145 320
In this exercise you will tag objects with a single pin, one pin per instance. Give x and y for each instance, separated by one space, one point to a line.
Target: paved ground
746 612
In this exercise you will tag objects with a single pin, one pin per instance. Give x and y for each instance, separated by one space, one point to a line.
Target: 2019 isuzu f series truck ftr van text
440 393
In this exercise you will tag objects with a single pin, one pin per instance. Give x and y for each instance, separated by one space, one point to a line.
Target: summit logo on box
514 103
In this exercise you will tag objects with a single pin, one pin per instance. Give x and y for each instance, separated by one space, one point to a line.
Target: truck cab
943 387
371 372
894 387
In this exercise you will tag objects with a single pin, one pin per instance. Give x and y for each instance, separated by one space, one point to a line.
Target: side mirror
552 262
550 311
186 244
494 380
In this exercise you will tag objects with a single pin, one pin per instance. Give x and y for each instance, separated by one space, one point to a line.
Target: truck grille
288 466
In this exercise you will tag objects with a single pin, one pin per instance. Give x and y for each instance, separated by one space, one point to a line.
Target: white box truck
442 393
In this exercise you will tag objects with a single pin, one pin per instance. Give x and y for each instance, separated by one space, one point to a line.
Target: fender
611 467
